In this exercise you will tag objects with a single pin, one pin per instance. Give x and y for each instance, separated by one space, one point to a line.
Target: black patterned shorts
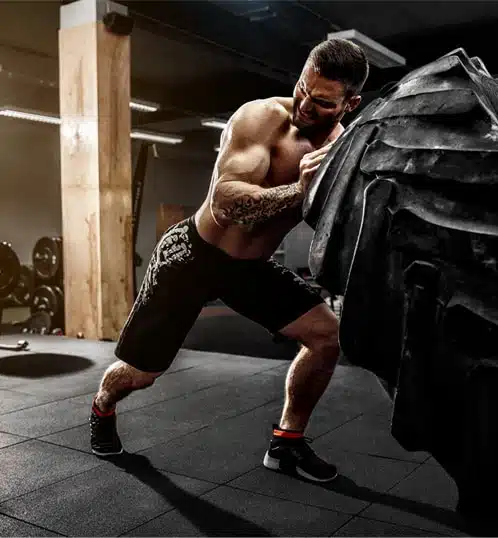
186 272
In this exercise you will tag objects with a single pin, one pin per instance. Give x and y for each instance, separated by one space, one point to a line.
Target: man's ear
353 103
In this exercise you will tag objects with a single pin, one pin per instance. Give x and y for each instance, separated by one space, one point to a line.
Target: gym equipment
20 346
137 193
38 323
49 299
22 294
47 258
10 269
404 209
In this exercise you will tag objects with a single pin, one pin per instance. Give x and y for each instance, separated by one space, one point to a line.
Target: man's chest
285 158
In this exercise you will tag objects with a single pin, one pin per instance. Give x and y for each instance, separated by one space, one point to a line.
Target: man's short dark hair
341 60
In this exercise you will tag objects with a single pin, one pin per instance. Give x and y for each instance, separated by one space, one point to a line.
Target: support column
96 171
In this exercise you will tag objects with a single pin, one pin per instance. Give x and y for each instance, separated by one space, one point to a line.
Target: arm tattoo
249 208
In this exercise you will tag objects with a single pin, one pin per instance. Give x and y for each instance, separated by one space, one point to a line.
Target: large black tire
405 213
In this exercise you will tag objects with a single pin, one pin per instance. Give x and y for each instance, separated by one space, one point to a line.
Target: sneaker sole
97 453
274 465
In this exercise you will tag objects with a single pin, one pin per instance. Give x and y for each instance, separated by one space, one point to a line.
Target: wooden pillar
96 171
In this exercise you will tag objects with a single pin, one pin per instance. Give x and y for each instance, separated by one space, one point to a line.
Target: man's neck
321 138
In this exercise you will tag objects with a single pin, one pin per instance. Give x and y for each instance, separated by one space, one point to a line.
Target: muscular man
270 150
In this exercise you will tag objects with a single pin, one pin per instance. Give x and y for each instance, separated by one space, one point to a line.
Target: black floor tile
13 400
345 393
280 486
155 424
209 375
7 439
425 500
361 526
14 527
9 382
184 523
231 447
232 512
361 481
362 474
33 464
53 389
233 333
222 451
370 434
106 501
45 419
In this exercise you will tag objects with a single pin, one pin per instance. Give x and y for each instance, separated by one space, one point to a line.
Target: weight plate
60 297
59 317
23 292
45 299
47 257
10 268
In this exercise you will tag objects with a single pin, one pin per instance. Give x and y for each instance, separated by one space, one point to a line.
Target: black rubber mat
194 446
232 333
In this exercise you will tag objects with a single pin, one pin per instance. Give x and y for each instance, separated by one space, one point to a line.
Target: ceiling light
376 53
31 115
153 137
143 106
217 124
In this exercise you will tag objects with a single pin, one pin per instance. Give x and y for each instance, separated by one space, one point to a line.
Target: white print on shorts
174 248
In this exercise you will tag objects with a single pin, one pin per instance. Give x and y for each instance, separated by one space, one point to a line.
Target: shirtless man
269 152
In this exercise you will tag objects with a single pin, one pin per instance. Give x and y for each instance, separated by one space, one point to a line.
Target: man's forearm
240 203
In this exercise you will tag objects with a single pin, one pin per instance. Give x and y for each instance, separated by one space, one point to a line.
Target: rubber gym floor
194 447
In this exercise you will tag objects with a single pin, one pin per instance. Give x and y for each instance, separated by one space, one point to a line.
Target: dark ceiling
237 50
203 58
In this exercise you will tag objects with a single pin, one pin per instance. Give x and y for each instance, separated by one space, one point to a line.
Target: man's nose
306 104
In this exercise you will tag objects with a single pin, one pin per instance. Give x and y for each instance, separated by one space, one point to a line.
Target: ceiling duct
376 53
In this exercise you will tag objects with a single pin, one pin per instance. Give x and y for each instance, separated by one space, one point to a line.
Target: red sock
101 413
287 434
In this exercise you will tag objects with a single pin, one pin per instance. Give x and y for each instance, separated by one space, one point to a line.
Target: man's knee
317 329
323 340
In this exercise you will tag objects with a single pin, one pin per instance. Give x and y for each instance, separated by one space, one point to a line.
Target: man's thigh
268 293
175 288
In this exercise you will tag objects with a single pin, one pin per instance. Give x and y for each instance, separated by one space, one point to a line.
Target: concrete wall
30 200
30 195
168 181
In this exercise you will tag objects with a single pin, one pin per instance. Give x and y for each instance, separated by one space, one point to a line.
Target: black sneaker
296 457
103 435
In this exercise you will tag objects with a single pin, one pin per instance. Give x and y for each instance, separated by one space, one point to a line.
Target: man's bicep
248 164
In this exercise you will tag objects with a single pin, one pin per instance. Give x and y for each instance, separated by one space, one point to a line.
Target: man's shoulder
270 109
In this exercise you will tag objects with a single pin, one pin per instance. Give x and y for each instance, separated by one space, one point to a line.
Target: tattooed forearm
240 203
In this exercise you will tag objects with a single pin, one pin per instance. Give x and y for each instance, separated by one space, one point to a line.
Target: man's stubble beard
309 131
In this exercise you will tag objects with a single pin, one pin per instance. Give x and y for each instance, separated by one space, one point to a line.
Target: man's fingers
312 160
310 171
320 151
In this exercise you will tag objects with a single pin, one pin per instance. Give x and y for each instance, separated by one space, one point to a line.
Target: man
269 152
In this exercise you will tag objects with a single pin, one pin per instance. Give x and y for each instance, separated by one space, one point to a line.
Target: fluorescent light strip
216 124
152 137
143 106
12 112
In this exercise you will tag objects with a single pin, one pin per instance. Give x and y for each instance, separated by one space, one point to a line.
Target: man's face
319 103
